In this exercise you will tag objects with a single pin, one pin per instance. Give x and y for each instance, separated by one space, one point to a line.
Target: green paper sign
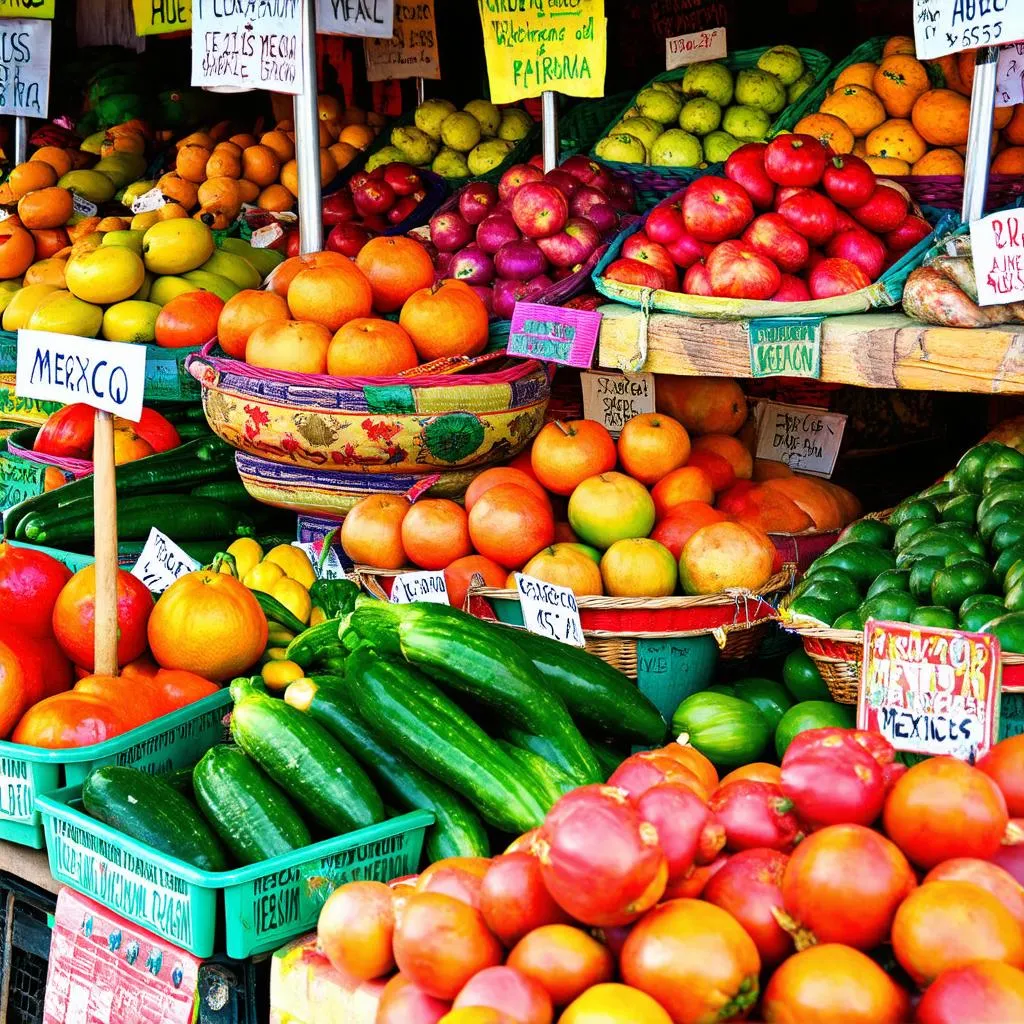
20 480
786 347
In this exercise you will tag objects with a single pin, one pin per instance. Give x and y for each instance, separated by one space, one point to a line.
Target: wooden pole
104 492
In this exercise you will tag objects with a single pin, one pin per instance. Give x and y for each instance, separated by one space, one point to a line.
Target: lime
802 678
983 611
1008 535
812 714
934 616
892 605
909 530
952 586
1005 512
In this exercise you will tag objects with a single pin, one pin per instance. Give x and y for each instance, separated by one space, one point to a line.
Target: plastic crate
259 906
171 741
24 949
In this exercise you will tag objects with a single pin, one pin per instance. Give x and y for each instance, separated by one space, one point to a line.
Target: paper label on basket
266 236
21 479
17 790
997 245
162 562
550 610
613 398
694 47
802 437
375 18
553 334
1010 76
149 201
106 375
949 26
930 691
331 569
429 587
411 52
785 346
83 206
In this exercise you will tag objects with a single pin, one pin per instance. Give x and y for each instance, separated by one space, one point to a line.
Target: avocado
921 575
982 611
892 605
871 531
952 586
933 616
891 579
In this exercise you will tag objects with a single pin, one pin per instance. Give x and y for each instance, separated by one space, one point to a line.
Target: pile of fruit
789 222
707 112
905 116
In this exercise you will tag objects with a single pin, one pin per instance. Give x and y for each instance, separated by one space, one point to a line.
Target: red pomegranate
755 814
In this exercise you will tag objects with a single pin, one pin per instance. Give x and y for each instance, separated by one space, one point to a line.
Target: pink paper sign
553 334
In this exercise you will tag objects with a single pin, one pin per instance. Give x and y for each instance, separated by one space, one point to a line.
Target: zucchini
180 779
406 711
334 597
249 813
315 643
306 762
551 781
230 492
457 830
276 612
150 810
483 662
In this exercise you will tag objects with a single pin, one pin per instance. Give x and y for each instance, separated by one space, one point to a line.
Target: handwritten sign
373 18
411 52
800 436
232 48
550 610
149 201
162 562
786 347
106 375
25 67
419 586
614 398
21 480
930 691
27 8
1010 76
694 47
948 26
157 17
82 206
997 245
544 44
553 334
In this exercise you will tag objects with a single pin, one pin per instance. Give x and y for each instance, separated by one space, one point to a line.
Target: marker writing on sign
79 374
24 67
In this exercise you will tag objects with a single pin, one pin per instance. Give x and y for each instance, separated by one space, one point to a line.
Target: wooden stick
104 491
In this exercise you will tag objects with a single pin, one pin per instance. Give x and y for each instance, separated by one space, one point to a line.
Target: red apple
849 181
520 260
375 224
375 197
337 208
792 289
811 214
665 222
405 207
291 243
739 272
795 160
603 217
485 294
537 160
885 211
913 230
716 208
442 261
814 259
359 179
507 293
403 178
686 250
785 193
639 247
563 181
575 244
860 247
449 230
517 176
628 271
621 193
472 265
495 231
833 277
584 198
347 238
771 235
844 222
745 166
539 209
697 280
587 172
477 200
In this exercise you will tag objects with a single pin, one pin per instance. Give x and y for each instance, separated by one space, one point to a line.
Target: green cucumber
152 811
607 758
727 730
550 780
181 780
249 813
315 643
230 492
407 712
276 612
306 762
457 830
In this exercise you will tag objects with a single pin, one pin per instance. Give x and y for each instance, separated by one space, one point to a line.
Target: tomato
755 814
988 987
689 833
513 898
692 758
403 1002
355 929
759 771
989 876
565 961
1004 764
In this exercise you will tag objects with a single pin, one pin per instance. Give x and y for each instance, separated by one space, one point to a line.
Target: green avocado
963 508
982 611
1009 630
891 579
969 473
802 678
871 531
922 573
892 605
953 585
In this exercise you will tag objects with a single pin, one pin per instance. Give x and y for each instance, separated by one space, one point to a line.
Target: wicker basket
20 444
581 127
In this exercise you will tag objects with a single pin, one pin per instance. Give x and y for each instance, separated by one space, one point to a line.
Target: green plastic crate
581 128
260 907
171 741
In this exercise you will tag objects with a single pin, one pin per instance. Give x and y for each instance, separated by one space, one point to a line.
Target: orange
458 576
248 190
223 164
17 250
1014 130
219 191
49 242
887 166
1010 161
688 483
501 475
856 74
357 135
176 188
282 275
896 138
941 117
564 454
275 198
260 164
343 154
29 176
898 82
289 176
57 158
190 163
243 313
860 108
652 445
510 524
13 690
370 347
128 446
828 129
289 345
435 533
899 44
371 533
330 296
940 162
445 319
328 107
282 146
328 168
730 449
396 267
243 140
203 139
188 320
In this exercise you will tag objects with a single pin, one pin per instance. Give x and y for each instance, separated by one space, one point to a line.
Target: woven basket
20 444
373 425
581 128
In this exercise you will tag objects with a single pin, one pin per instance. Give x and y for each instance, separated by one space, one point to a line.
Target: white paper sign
162 562
248 45
372 18
332 569
82 206
949 26
106 375
149 201
266 236
694 47
25 67
997 245
1010 76
420 586
550 610
613 398
802 437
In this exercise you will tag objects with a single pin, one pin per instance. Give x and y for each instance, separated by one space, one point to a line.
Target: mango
235 268
131 321
23 304
108 274
144 221
91 185
143 293
93 143
122 168
163 289
176 246
130 239
207 282
264 260
63 313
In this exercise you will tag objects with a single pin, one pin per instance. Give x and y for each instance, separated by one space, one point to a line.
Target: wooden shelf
873 350
27 864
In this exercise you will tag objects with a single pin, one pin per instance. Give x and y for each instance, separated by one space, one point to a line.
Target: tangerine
435 533
370 347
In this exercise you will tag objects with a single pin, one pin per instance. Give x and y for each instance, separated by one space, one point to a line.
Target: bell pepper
247 554
334 597
294 596
264 576
294 562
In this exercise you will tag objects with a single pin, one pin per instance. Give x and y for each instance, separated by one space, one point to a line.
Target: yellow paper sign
537 45
158 17
26 8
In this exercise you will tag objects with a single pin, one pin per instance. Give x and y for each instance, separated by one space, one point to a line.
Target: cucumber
550 780
407 712
230 492
315 643
486 664
306 762
276 612
181 780
457 830
249 813
607 758
150 810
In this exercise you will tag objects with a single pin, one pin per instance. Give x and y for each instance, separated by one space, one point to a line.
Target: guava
385 155
449 163
672 88
642 128
418 146
488 155
676 148
487 114
659 105
784 62
622 148
756 88
460 131
700 115
718 146
747 123
800 86
430 114
515 125
708 78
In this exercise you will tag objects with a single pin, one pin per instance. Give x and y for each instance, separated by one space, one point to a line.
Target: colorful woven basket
373 425
20 444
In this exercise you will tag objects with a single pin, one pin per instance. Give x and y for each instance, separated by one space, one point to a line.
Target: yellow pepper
294 596
278 674
247 554
316 616
278 636
264 577
294 562
275 654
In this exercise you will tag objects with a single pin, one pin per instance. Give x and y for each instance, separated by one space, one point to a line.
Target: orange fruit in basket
1010 161
260 165
681 486
31 175
371 533
358 135
721 556
445 319
289 176
731 449
328 168
188 320
283 274
899 44
17 250
704 405
136 703
510 524
395 267
940 162
565 453
282 147
370 347
856 74
435 532
652 445
275 198
14 689
896 138
330 296
828 129
900 79
501 475
860 108
243 313
459 575
178 189
45 208
289 345
70 720
57 158
569 567
176 688
190 163
941 117
682 523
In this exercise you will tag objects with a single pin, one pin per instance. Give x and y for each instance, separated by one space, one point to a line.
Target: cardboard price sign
694 47
930 691
419 586
786 347
948 26
550 610
544 45
614 398
553 334
411 52
156 17
25 67
997 245
800 436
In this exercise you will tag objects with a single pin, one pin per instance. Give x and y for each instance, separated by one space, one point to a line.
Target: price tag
550 610
786 347
997 247
21 480
614 398
25 85
266 236
83 206
27 8
157 17
949 26
332 569
694 47
1010 76
420 586
149 201
162 562
4 214
930 691
356 18
804 438
553 334
411 52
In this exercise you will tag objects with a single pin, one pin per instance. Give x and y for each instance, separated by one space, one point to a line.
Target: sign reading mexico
24 67
247 44
62 368
536 45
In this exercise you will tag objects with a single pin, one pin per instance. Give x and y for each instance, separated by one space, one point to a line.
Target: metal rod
979 135
421 90
20 140
549 129
307 140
